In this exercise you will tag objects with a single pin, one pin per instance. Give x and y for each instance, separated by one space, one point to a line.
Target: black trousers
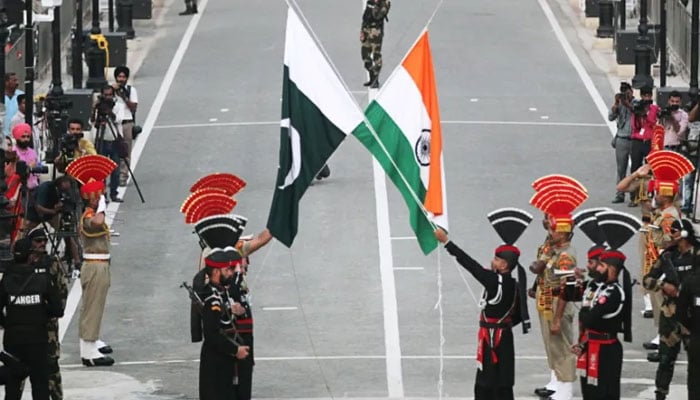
609 374
694 368
33 356
482 392
638 152
216 372
667 363
244 371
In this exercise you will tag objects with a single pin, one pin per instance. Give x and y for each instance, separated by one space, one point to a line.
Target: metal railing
678 34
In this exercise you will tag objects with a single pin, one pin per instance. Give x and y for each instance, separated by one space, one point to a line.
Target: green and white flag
317 114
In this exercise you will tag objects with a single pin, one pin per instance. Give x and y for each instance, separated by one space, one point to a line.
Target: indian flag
408 143
317 114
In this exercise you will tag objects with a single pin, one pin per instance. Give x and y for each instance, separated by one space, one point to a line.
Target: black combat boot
324 173
660 395
375 84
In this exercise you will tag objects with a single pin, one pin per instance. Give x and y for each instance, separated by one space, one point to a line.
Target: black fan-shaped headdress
586 221
220 233
618 229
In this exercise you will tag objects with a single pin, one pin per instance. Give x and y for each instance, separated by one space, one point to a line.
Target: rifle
227 333
196 300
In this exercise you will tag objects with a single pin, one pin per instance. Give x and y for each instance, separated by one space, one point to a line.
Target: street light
642 52
605 19
95 52
695 17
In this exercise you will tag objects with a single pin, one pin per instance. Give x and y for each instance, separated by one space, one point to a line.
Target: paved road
515 109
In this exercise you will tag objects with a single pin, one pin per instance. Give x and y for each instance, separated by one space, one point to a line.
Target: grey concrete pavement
507 88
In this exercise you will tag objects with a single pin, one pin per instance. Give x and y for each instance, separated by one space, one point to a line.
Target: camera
69 143
23 170
67 220
104 106
639 107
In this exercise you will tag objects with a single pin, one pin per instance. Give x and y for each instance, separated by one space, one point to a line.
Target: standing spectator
675 122
621 112
127 95
109 114
23 138
11 105
20 118
643 122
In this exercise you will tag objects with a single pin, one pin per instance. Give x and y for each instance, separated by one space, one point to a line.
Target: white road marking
526 123
377 357
213 119
532 109
224 110
544 116
408 268
208 125
580 70
392 338
474 100
403 238
76 290
289 308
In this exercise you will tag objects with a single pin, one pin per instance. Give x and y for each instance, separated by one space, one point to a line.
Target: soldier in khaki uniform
557 196
91 171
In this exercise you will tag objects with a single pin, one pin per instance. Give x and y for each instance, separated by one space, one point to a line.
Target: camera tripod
102 123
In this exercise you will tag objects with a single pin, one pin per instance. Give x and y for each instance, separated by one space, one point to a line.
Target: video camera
639 107
104 106
24 171
69 144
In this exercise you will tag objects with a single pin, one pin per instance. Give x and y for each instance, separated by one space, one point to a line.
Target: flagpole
295 8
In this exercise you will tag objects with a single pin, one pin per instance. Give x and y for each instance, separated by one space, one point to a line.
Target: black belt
641 140
624 138
127 120
601 336
674 148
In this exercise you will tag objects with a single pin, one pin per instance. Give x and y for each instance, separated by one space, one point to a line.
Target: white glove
102 205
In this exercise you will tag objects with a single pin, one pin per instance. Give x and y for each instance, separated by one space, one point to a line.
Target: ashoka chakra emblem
423 148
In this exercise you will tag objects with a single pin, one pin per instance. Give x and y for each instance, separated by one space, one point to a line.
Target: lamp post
605 19
94 52
56 107
28 63
642 52
695 17
663 61
125 17
78 41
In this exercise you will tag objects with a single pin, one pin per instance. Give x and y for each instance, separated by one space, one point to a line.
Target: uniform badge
602 300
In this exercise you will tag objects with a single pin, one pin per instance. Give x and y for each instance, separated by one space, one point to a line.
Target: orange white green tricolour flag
405 116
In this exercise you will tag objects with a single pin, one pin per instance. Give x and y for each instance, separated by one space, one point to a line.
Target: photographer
108 115
127 95
28 301
621 111
643 122
73 145
675 122
53 202
23 139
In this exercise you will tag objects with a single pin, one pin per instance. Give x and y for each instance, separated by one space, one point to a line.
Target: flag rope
438 306
306 325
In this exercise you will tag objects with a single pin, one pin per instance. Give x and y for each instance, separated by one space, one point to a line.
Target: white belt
95 256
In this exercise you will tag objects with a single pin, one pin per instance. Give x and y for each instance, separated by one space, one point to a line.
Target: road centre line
447 122
408 268
288 308
76 290
340 358
526 123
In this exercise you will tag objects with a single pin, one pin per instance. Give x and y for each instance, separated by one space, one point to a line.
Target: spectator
621 112
20 118
11 106
73 140
108 115
23 137
675 122
128 96
643 122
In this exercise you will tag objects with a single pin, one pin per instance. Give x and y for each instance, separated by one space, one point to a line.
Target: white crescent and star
295 141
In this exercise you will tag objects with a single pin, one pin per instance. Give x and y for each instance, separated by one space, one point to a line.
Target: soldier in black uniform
239 293
222 346
609 312
584 290
668 275
27 301
688 314
503 304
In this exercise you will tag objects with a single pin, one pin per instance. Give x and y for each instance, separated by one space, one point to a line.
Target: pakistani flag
407 140
317 115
